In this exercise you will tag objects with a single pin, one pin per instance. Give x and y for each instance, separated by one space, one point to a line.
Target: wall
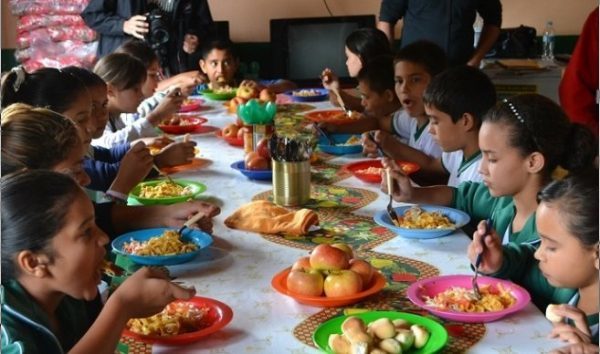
568 16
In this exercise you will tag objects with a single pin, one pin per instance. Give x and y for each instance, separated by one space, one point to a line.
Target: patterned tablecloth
238 268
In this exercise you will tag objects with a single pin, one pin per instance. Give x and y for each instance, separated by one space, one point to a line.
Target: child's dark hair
220 44
35 138
536 123
87 77
425 53
576 197
34 208
121 70
378 74
139 50
460 90
368 43
47 87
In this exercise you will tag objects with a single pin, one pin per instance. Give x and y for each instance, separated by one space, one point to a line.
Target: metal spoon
341 101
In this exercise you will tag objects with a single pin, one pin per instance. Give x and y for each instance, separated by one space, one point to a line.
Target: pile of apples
331 271
382 336
248 92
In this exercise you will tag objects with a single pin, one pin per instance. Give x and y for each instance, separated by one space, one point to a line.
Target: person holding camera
173 28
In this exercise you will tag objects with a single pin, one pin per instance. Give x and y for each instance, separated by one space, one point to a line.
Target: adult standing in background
448 23
188 24
578 90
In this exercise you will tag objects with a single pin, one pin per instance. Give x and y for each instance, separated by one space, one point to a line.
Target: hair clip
21 73
514 110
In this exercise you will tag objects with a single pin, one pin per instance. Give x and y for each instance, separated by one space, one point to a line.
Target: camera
158 30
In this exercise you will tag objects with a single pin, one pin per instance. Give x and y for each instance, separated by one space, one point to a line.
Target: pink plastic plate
435 285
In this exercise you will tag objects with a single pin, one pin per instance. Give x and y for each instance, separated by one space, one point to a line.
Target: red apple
303 263
326 257
344 247
308 283
246 92
342 283
234 103
241 132
254 161
230 131
263 148
362 268
267 95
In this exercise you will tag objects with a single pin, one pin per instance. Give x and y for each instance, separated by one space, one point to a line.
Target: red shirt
579 85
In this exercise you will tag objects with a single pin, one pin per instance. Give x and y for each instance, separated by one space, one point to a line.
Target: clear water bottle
548 41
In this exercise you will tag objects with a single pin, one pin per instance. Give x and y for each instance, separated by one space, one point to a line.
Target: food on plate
167 244
464 300
353 140
223 90
551 314
330 270
417 218
178 121
306 93
188 101
370 171
163 190
176 318
379 336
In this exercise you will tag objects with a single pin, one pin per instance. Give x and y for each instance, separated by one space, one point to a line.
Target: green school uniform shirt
474 198
26 327
521 267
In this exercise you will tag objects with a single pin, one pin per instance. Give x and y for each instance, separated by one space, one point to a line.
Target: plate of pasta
451 297
164 192
181 322
161 246
344 144
370 170
423 221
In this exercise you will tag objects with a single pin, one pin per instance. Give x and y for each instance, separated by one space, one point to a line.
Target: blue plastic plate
259 175
200 238
339 149
458 217
321 96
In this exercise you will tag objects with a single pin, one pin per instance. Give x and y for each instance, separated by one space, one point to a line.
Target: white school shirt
461 170
128 127
406 127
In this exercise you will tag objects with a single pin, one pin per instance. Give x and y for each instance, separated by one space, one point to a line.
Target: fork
390 210
163 174
478 263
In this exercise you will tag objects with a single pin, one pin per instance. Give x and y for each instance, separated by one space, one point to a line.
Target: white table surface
243 264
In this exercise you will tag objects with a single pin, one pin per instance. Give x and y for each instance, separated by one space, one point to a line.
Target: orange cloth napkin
266 217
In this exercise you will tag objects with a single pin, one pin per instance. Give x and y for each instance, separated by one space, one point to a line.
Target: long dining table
238 267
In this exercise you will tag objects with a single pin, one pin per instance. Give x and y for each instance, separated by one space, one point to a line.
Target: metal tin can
291 182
